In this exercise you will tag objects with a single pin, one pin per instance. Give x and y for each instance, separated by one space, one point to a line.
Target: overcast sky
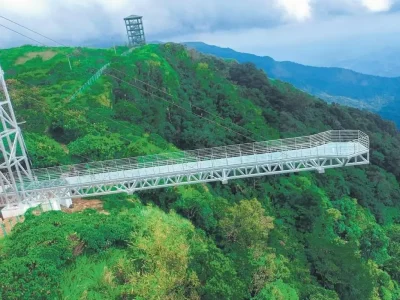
284 29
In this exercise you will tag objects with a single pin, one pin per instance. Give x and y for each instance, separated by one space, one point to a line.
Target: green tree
44 151
216 271
30 106
338 267
392 266
127 111
97 147
245 224
200 206
277 290
374 244
33 259
158 260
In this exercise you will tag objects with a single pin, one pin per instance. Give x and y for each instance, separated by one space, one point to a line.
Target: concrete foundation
19 209
66 202
14 210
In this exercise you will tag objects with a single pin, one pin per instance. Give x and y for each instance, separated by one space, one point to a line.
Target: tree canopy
301 236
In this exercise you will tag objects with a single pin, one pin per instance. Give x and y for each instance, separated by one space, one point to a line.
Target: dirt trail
45 55
8 224
82 204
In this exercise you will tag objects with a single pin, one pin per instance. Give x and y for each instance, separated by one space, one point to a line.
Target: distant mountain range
385 63
374 93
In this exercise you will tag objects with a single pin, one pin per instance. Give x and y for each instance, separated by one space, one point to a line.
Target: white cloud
75 21
377 5
298 10
24 7
316 42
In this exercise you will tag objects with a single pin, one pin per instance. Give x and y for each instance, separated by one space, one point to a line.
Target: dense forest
344 86
303 236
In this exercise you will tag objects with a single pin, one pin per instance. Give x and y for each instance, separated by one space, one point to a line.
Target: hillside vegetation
304 236
343 86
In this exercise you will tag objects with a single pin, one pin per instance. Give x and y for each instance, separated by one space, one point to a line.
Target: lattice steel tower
14 162
135 31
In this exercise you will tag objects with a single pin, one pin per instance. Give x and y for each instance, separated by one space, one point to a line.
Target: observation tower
135 31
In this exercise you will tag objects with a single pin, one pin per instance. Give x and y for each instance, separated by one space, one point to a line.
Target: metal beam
146 181
14 163
20 184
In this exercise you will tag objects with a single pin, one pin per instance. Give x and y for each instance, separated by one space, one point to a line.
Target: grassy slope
354 210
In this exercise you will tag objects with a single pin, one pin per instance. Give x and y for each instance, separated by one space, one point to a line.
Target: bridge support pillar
321 170
224 176
66 202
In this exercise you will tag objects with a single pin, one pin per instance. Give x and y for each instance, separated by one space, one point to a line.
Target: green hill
303 236
343 86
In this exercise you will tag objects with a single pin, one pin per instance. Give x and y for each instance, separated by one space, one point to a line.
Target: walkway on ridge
318 152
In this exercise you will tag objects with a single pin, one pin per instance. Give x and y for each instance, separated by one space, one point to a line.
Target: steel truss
19 184
223 174
14 163
135 31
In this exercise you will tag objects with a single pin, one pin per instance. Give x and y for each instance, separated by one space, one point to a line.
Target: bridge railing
286 148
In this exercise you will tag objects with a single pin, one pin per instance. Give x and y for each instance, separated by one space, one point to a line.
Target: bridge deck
316 152
327 150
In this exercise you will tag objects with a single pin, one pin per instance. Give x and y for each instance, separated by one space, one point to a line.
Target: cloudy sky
308 31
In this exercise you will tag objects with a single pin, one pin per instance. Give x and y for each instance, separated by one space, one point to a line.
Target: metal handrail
287 148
